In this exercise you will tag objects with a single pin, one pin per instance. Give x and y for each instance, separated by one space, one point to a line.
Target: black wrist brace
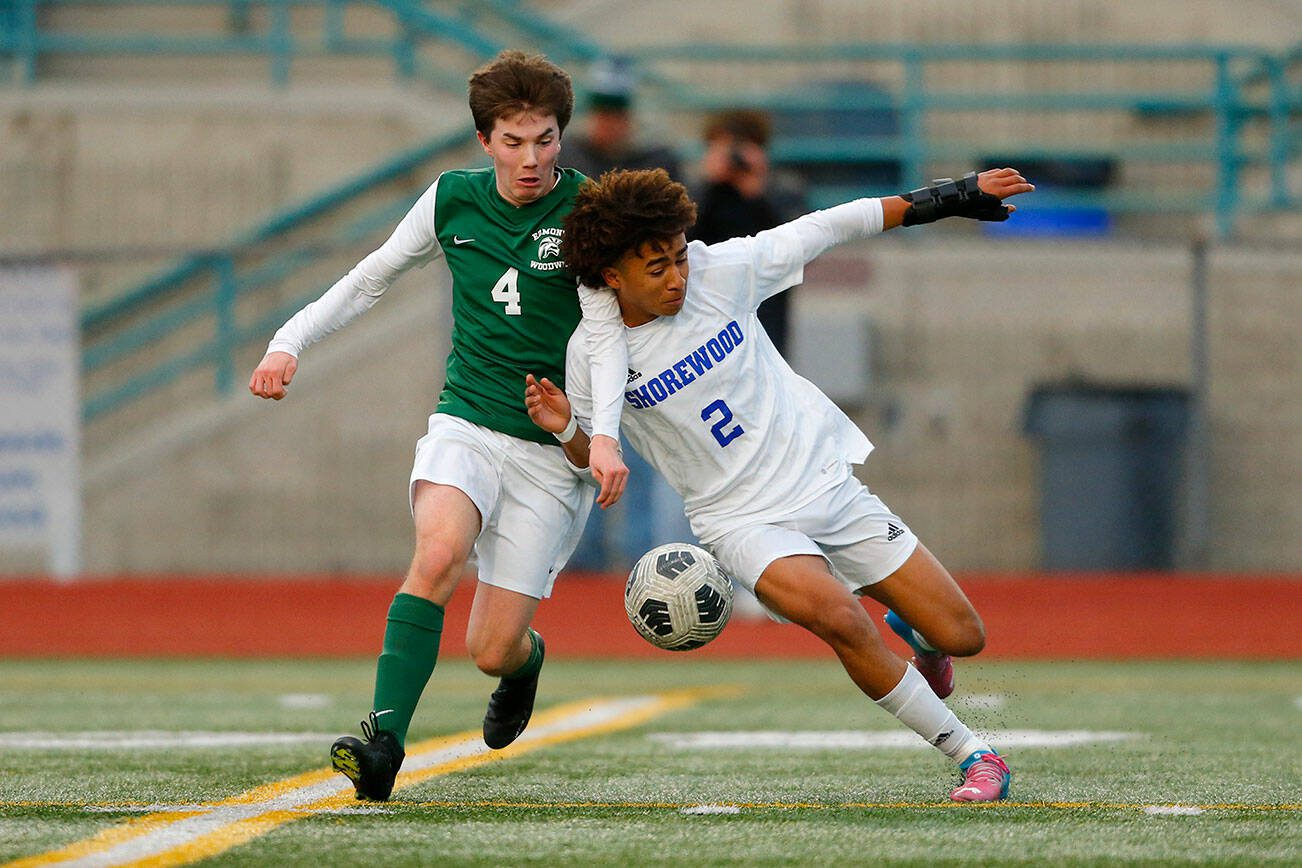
946 197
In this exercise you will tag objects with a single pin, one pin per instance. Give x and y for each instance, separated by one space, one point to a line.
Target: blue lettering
700 361
687 369
31 518
33 441
685 375
17 480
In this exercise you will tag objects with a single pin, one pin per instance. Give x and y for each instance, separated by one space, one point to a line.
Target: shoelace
371 727
989 769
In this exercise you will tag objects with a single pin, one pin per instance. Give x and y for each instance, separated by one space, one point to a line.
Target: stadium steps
206 43
239 485
277 277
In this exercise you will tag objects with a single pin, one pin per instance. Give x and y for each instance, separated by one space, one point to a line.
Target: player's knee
967 636
492 658
844 625
435 564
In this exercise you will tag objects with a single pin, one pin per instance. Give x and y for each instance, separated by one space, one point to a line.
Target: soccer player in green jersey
484 477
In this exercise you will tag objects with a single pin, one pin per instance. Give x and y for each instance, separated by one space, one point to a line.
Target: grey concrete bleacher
108 155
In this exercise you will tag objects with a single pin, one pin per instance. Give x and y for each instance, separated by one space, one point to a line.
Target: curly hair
621 212
514 82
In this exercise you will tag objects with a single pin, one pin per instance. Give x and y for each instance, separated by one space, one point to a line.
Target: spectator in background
740 194
652 513
609 139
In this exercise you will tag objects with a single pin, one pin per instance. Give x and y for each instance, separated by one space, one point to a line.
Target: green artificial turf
1218 737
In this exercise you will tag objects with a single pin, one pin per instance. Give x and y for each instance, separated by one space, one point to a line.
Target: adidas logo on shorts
893 531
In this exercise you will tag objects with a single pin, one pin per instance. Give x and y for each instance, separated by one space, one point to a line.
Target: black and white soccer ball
678 597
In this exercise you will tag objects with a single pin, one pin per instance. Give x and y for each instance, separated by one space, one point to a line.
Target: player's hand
607 463
547 405
272 375
1003 183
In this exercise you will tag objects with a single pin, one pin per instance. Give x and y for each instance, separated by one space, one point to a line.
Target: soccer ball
678 597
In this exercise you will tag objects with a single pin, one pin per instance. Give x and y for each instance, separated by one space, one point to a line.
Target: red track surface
1026 616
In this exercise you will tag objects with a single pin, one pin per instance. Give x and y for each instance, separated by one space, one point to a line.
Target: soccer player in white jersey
761 457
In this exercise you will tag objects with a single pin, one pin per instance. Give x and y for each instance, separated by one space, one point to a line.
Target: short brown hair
745 125
621 212
514 82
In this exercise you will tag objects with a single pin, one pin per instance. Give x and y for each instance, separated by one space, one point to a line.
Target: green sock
411 648
534 662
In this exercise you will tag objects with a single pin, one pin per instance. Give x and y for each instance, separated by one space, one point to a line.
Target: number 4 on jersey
507 291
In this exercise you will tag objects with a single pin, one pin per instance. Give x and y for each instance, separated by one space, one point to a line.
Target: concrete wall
94 169
101 158
628 22
963 332
315 482
962 329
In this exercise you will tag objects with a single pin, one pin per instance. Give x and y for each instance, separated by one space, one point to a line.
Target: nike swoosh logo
458 240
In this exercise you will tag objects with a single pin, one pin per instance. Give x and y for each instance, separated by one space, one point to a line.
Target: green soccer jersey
514 306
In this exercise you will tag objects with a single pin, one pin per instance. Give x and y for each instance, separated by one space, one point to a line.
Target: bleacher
1131 140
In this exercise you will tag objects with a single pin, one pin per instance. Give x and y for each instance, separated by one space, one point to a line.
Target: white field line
178 838
871 740
146 739
197 808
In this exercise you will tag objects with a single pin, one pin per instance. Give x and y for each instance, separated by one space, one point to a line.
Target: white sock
915 706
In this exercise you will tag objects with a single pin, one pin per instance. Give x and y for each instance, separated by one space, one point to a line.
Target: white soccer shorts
848 526
531 504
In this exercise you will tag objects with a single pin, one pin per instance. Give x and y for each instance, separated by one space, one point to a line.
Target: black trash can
1111 467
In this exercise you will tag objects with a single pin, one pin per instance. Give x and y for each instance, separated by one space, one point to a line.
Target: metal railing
1244 91
210 285
271 34
1241 118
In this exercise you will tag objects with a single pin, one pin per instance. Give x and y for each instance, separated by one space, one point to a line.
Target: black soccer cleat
510 707
372 764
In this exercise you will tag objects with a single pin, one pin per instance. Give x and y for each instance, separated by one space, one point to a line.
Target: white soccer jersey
710 402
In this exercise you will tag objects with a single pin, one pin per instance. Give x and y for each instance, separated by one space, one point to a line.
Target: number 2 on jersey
724 437
507 291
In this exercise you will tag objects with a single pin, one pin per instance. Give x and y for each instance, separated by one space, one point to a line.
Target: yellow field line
667 702
243 829
110 837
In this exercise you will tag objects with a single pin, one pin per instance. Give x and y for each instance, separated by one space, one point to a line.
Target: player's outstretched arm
977 196
272 375
550 410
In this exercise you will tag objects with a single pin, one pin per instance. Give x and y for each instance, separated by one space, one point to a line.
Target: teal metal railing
252 28
1244 90
1250 96
209 285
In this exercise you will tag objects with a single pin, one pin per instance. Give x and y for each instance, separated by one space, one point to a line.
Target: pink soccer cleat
985 779
938 669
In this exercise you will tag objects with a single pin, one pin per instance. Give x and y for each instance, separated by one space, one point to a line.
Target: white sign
40 416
